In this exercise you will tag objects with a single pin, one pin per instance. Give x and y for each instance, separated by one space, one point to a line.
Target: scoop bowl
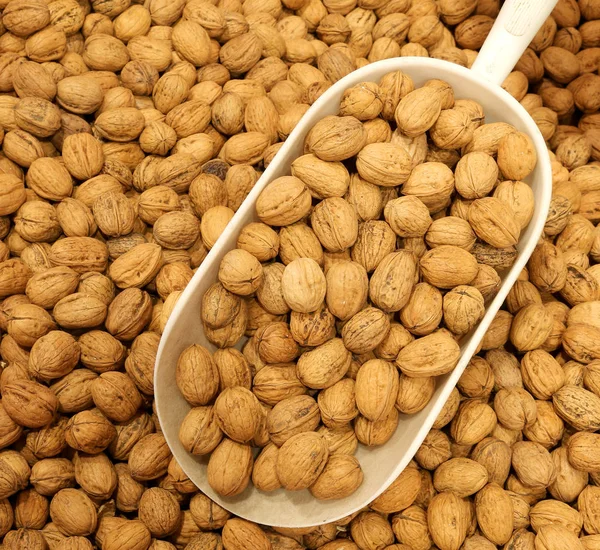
381 465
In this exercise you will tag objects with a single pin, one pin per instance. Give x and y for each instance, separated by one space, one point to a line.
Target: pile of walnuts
130 134
315 285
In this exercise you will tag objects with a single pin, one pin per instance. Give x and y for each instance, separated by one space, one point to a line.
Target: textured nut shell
300 460
392 281
531 326
324 179
73 512
292 416
516 156
462 476
494 222
238 414
578 406
407 216
137 267
239 534
340 478
284 201
448 266
264 474
533 464
197 376
303 285
383 164
335 224
376 389
448 517
431 355
199 432
338 404
473 422
418 110
494 510
400 494
274 383
365 330
463 307
28 403
336 138
325 365
347 287
229 467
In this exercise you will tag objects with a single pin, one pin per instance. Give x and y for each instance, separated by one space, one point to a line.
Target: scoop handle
516 25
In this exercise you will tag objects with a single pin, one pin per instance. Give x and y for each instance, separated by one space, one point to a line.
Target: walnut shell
237 412
149 458
73 512
463 428
475 175
323 179
284 201
338 404
577 406
336 138
400 494
365 330
325 365
15 473
116 395
376 389
418 111
383 164
431 355
533 464
29 404
229 467
340 478
463 308
238 533
335 224
264 474
89 432
494 511
303 285
197 376
300 460
347 287
133 534
54 355
159 511
516 156
494 222
392 281
292 416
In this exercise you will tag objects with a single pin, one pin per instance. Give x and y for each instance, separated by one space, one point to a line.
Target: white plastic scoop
516 25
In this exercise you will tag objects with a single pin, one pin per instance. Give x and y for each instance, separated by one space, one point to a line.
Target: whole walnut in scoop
336 138
362 101
300 460
284 201
238 413
303 285
516 156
